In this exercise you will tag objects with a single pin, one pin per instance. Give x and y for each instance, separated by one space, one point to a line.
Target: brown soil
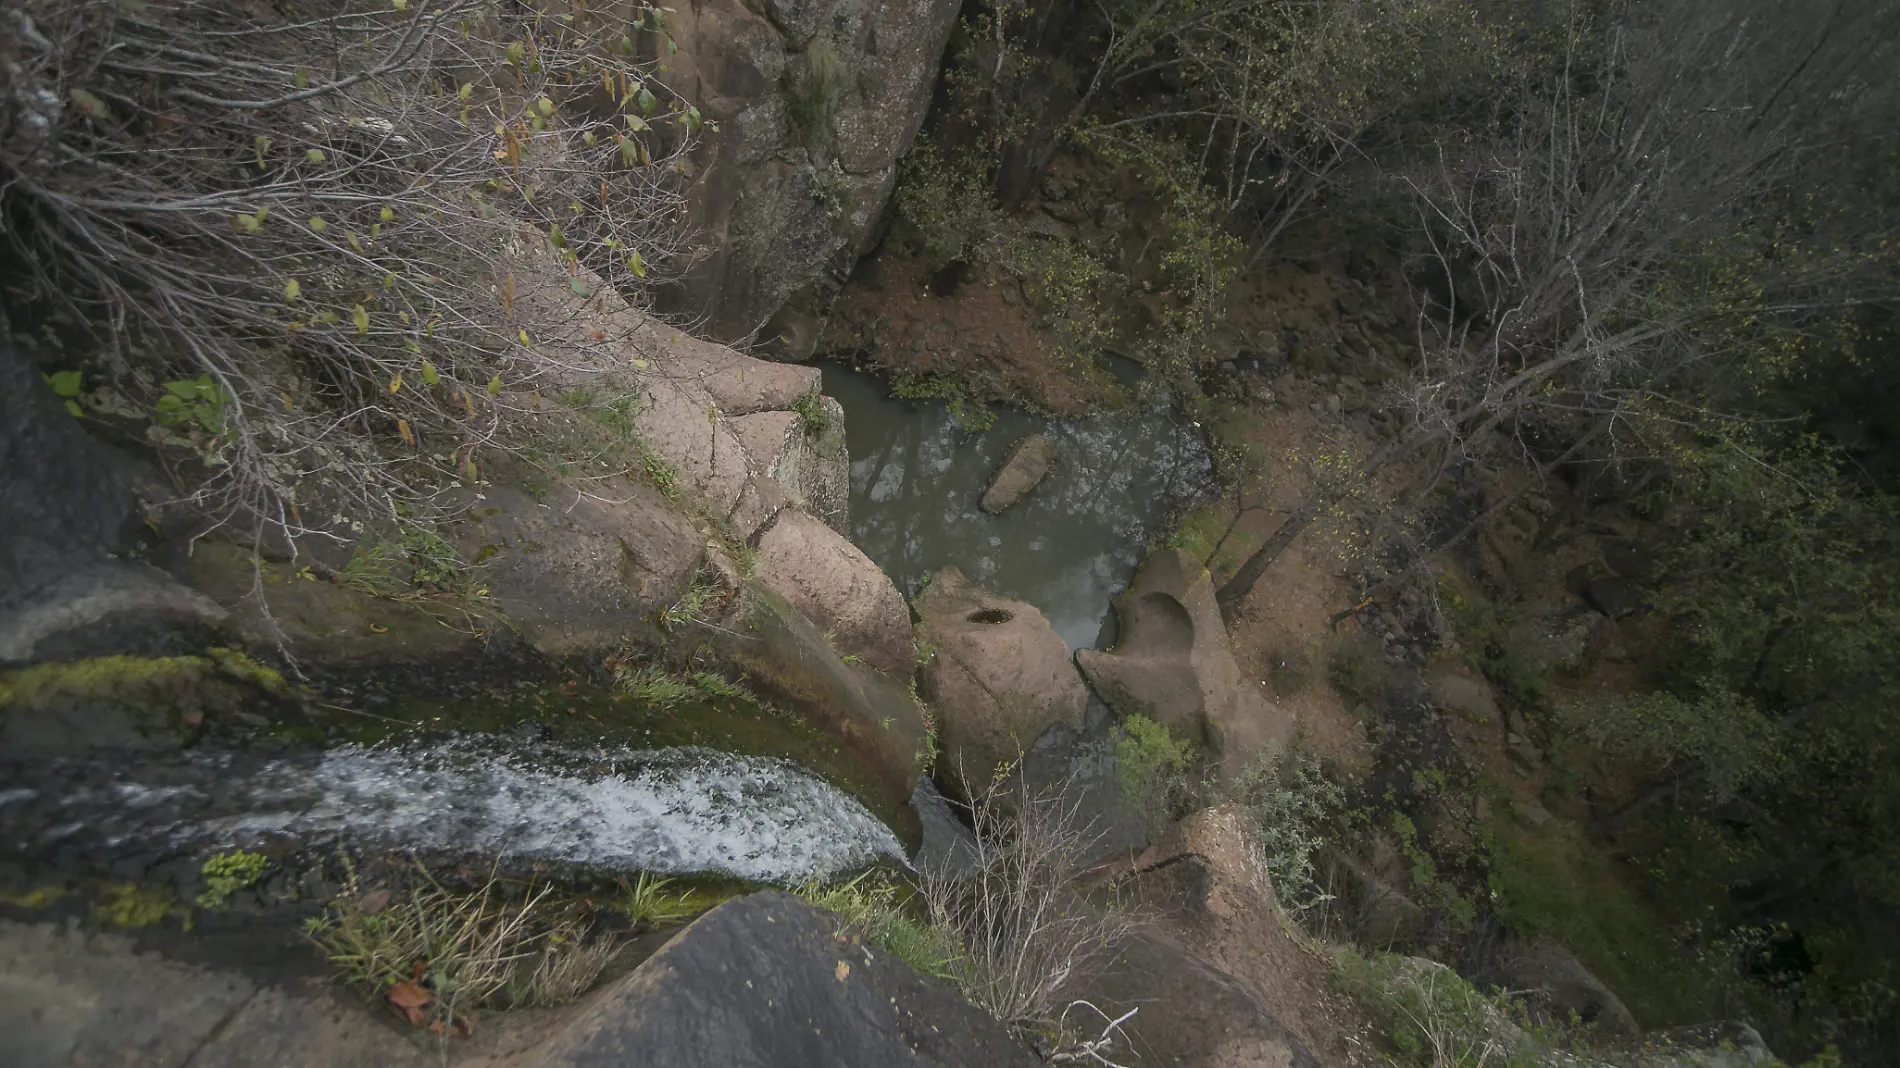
981 335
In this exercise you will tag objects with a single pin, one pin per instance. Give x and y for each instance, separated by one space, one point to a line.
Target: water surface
1067 548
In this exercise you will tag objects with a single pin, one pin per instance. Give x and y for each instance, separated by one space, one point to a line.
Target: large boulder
815 103
768 982
803 452
819 572
1464 695
1000 676
1202 885
1022 470
1562 985
1173 664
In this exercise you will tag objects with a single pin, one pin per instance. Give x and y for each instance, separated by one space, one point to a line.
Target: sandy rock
1173 664
806 457
1000 677
760 502
820 573
867 715
1023 468
582 571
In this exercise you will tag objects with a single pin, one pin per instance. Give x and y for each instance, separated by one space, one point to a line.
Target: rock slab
820 573
765 981
1000 676
1022 470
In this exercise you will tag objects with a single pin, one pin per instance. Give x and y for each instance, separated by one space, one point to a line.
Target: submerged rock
1173 664
1000 676
767 981
1025 466
822 574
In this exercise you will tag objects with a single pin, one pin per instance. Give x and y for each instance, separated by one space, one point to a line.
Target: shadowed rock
766 981
819 572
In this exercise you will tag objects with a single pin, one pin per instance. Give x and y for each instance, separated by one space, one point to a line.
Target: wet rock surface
1023 470
766 980
1000 676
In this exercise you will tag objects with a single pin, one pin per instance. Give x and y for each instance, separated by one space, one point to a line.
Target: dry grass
1023 929
282 224
463 949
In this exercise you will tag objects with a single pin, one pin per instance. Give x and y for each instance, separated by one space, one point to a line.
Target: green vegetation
138 905
813 417
227 873
652 901
436 953
1552 880
1292 805
1157 771
1432 1018
1293 669
667 691
876 907
811 103
970 414
1354 669
412 561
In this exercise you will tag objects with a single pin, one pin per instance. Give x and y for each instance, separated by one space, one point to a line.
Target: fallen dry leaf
410 1000
373 902
844 971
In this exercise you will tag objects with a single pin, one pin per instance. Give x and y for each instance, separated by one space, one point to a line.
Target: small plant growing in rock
229 872
1155 770
650 902
873 905
812 104
813 417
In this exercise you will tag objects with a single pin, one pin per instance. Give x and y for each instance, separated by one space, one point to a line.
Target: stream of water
615 810
1067 548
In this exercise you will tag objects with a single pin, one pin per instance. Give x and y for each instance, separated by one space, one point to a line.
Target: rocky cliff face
815 102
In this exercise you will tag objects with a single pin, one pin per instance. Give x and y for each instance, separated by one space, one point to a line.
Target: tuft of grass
1432 1018
813 417
460 950
1353 670
652 901
666 691
875 906
1293 670
1154 769
411 563
229 872
811 106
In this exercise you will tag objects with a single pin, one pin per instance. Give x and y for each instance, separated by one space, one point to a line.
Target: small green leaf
515 52
73 407
301 80
388 214
636 123
184 388
648 101
361 317
429 375
587 138
395 384
494 386
292 290
467 90
525 339
94 107
545 106
635 264
317 223
64 383
316 155
580 287
389 280
399 5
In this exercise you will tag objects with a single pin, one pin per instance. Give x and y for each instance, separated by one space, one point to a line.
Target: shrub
1290 803
293 224
945 204
1293 669
1021 928
1353 670
1154 769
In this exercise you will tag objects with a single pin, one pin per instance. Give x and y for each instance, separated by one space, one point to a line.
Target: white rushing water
670 811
